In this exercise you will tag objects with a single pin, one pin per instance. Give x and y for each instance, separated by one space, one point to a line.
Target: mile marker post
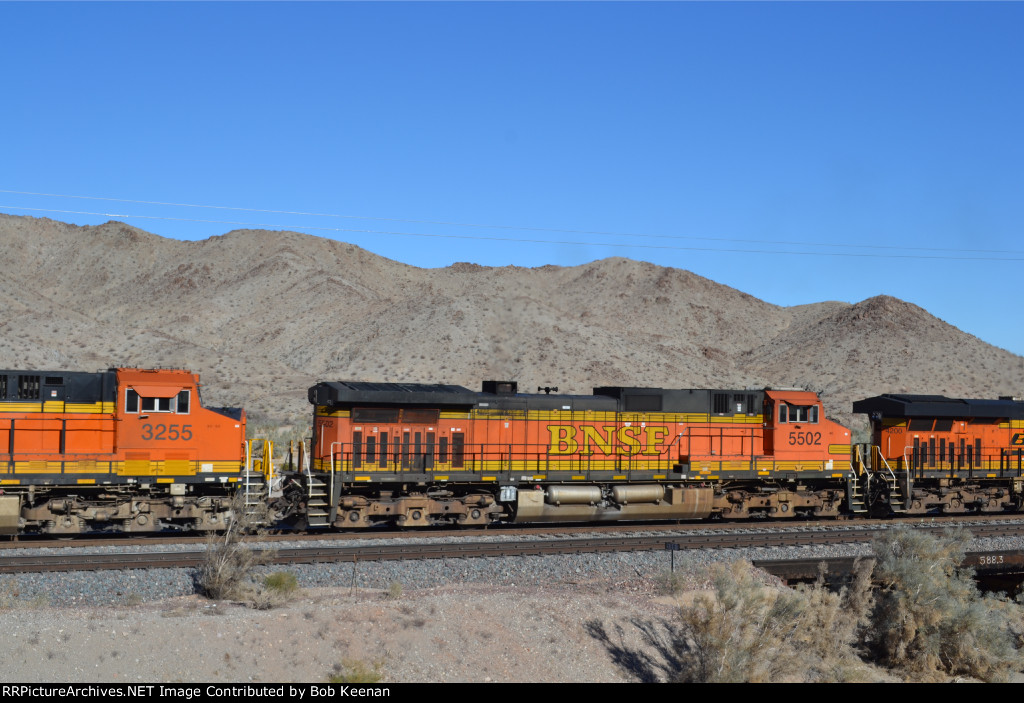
672 548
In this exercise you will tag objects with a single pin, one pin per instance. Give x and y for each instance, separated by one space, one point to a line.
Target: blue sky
796 151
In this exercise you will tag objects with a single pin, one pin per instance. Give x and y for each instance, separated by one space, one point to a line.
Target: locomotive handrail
334 454
268 461
887 466
248 461
503 458
506 459
306 462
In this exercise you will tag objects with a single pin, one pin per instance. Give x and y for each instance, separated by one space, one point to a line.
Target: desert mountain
262 315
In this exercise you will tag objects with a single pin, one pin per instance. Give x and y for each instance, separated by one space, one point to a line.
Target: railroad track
685 530
984 563
67 560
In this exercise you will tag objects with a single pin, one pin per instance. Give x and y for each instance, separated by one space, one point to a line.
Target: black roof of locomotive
677 400
348 393
544 401
68 386
437 395
935 406
606 399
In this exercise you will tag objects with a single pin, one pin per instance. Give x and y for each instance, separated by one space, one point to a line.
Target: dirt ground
595 633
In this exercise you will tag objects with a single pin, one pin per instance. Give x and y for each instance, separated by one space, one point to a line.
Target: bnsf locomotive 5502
416 454
135 450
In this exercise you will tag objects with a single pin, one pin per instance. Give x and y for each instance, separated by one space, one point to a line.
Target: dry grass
283 582
356 671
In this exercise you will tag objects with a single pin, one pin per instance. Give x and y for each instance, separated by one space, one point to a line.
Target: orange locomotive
420 454
125 449
932 454
134 450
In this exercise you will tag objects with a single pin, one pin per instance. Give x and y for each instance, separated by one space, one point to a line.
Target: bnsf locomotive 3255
128 449
134 450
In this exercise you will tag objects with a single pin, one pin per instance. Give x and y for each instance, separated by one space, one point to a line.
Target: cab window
798 413
156 405
134 403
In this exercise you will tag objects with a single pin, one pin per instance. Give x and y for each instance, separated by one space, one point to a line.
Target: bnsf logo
1018 440
606 439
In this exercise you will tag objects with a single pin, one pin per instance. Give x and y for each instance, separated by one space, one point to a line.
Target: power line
519 240
484 226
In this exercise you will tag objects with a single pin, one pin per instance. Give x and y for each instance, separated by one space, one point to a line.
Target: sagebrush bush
930 619
230 561
671 583
925 619
750 632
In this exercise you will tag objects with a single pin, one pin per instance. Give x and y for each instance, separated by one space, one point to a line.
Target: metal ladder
317 498
316 504
897 501
259 474
860 488
856 501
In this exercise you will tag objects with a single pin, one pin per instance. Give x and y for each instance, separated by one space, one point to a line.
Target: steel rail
983 563
67 560
681 530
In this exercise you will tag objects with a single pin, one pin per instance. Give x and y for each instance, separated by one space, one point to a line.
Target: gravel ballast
569 618
118 587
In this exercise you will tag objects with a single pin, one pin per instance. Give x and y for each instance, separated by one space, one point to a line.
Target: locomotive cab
796 428
129 450
162 418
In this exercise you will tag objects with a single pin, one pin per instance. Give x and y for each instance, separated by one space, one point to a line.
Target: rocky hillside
262 315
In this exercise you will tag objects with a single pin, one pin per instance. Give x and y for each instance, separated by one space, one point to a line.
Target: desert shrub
226 572
356 671
930 619
730 636
924 620
283 582
829 635
671 583
749 632
394 591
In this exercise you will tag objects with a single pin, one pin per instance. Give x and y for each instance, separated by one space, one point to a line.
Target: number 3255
161 432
